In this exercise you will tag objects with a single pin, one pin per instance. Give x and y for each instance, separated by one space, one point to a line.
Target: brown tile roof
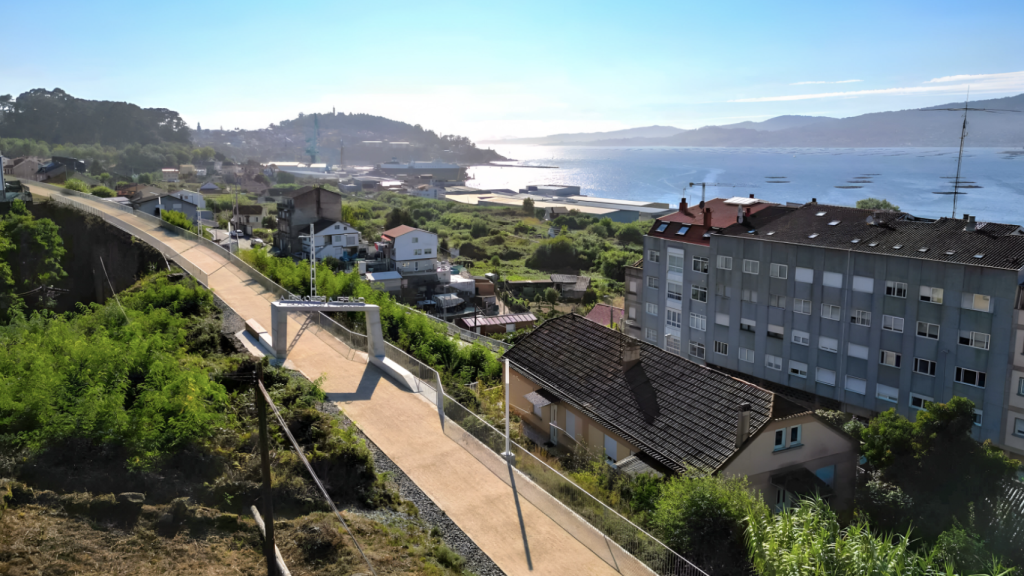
398 231
686 415
251 209
605 315
695 221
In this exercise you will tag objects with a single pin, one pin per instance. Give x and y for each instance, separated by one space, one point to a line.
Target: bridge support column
279 323
279 329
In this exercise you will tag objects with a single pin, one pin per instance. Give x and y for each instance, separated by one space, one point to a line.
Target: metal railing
463 334
622 544
356 344
427 380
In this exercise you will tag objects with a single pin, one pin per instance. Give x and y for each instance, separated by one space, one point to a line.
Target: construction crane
963 136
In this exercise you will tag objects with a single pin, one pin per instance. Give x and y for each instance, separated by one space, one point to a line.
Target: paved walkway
403 425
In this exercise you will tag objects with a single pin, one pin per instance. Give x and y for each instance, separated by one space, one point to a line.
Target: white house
190 196
332 238
411 251
169 174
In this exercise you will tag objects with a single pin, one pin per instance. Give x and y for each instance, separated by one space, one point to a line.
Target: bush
102 192
522 228
76 185
479 229
178 219
553 253
612 263
630 234
701 517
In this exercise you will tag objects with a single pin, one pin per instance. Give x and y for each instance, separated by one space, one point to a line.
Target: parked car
257 242
236 233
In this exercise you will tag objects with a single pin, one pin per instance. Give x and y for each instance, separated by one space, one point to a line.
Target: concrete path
402 424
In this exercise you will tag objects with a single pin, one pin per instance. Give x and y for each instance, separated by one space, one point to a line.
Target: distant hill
368 139
645 132
918 127
59 118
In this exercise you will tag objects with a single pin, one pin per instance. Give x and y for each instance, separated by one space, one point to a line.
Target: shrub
77 186
612 263
478 229
178 219
102 192
522 228
553 253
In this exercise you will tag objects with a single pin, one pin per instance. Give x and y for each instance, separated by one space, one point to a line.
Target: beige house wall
587 430
820 446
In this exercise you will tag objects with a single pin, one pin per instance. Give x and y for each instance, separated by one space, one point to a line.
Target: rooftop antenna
963 136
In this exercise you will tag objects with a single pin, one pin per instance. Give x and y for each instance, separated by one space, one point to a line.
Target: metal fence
613 538
355 344
463 334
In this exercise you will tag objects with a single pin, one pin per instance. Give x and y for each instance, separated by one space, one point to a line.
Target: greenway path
398 421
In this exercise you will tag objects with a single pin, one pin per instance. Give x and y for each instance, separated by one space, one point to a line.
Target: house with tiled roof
605 315
575 382
411 252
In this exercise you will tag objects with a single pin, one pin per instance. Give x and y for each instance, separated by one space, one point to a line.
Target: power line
112 290
309 468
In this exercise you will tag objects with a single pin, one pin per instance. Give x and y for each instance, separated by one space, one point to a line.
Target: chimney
630 354
967 217
814 200
682 205
739 214
707 216
742 424
971 224
751 195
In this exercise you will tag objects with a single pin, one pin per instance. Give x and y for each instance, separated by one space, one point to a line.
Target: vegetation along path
400 423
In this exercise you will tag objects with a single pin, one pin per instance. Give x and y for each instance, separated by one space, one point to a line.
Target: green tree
398 217
34 251
495 261
701 517
590 296
540 213
105 176
551 297
102 192
528 208
553 253
630 234
478 229
95 168
877 204
270 222
144 179
283 177
613 262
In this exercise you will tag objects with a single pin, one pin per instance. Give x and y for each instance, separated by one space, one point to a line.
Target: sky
516 69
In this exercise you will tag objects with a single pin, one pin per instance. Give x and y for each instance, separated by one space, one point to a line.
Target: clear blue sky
525 68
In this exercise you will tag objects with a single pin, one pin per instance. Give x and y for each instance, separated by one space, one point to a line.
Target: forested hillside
59 118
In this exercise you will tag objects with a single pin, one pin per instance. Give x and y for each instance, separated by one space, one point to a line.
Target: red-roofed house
410 251
605 315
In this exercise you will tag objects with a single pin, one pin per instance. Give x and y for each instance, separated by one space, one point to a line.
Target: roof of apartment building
691 224
675 411
399 231
892 234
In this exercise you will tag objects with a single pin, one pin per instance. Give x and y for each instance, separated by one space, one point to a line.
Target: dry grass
43 540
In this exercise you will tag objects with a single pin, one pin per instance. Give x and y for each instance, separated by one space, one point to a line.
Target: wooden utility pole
269 548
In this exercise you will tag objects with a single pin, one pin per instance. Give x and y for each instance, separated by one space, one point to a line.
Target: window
749 296
917 401
975 339
746 355
632 286
830 311
779 271
805 275
861 318
1020 386
415 240
700 264
632 313
747 325
698 321
896 289
857 351
675 291
428 251
795 433
856 385
801 306
979 302
661 226
800 337
652 282
970 377
775 331
978 417
696 350
725 262
828 344
832 279
417 252
723 290
780 439
773 362
825 376
672 343
929 294
673 318
682 230
721 348
653 255
787 437
611 449
570 424
676 263
863 284
652 335
887 393
798 369
892 323
1018 426
722 319
922 366
777 301
926 330
652 309
890 358
751 266
698 293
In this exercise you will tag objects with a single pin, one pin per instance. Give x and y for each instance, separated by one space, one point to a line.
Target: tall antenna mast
963 137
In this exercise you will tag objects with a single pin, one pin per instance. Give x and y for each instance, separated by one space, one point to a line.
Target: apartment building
297 209
410 251
858 310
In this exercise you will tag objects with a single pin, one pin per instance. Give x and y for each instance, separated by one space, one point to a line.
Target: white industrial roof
382 276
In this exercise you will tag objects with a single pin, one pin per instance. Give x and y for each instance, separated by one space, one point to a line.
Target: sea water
993 178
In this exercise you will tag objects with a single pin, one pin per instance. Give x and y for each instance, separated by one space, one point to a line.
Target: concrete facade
298 209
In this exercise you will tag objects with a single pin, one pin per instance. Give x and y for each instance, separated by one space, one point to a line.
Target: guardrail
622 544
463 334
